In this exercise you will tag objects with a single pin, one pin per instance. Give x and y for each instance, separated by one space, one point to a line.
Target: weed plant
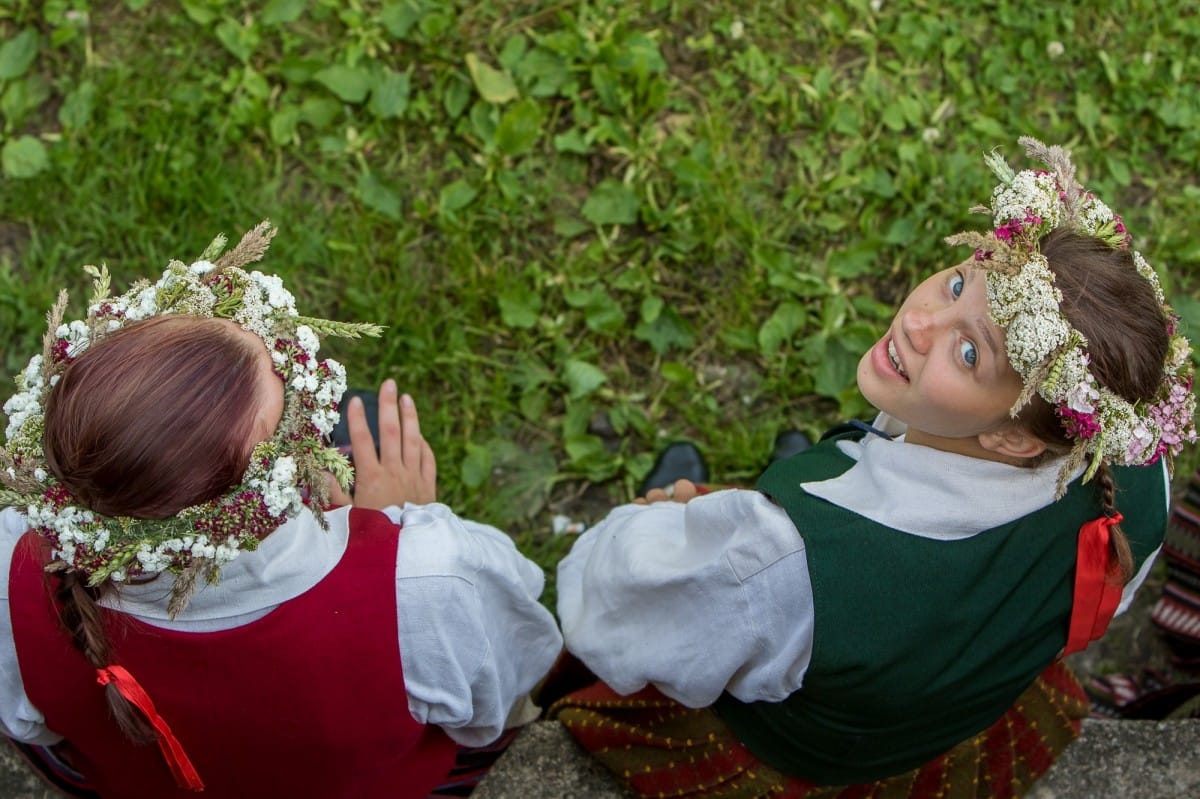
591 227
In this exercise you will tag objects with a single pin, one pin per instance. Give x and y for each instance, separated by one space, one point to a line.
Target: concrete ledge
1127 759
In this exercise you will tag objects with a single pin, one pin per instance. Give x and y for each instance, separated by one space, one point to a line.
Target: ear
1012 441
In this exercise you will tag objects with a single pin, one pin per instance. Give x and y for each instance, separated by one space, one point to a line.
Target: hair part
1107 300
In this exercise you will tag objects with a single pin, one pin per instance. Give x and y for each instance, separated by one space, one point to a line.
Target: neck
968 446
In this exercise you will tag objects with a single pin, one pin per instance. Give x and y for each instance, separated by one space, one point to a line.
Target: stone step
1122 759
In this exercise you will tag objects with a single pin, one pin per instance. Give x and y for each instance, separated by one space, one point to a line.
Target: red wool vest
307 701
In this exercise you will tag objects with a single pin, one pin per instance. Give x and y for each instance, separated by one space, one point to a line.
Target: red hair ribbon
182 770
1097 584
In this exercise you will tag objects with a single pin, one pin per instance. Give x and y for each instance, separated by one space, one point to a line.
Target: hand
680 491
403 470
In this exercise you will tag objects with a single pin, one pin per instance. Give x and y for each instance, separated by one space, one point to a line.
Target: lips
886 360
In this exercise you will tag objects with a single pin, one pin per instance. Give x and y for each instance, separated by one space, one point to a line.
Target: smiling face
941 367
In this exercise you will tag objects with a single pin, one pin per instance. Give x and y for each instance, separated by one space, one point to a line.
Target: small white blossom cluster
161 556
1028 194
1026 305
274 486
278 487
327 396
73 526
26 404
1147 271
1042 345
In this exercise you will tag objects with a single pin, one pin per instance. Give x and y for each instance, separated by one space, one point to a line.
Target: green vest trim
918 643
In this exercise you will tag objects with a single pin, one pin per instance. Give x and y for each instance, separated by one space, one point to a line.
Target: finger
390 445
684 490
656 495
410 423
362 445
428 464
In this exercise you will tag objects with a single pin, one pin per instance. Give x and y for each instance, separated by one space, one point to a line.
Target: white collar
930 493
288 562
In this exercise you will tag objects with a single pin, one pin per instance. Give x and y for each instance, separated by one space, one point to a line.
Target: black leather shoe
679 461
789 443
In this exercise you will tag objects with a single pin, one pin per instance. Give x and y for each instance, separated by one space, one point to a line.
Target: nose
919 327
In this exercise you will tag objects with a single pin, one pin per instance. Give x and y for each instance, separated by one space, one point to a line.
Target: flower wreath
1043 347
282 471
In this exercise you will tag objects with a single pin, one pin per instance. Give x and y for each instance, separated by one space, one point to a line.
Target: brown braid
80 615
1118 544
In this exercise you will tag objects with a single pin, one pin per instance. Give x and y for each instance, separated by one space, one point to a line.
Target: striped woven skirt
659 748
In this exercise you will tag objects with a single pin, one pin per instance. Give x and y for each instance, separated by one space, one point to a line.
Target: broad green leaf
668 330
399 17
238 40
379 195
853 261
652 306
455 97
836 369
17 54
520 127
573 141
476 465
282 11
1087 111
456 196
284 124
350 84
78 106
611 203
582 378
199 12
493 85
319 111
389 94
23 96
519 307
588 455
24 157
780 326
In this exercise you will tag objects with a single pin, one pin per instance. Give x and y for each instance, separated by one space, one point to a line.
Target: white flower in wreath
1083 398
277 296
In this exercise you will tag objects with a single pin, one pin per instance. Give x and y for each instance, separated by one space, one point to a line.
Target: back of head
155 417
1107 300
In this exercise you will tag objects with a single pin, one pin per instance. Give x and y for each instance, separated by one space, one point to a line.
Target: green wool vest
920 644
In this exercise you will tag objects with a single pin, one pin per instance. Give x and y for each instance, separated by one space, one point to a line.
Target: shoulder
435 542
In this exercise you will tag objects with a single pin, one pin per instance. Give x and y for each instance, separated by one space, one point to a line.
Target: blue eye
968 353
956 284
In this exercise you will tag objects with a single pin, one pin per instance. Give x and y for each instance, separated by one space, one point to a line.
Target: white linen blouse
715 594
474 640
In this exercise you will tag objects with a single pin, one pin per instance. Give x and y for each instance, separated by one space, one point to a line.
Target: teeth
895 359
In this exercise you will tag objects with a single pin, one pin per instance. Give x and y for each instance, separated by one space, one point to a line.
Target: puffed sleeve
474 639
695 599
18 717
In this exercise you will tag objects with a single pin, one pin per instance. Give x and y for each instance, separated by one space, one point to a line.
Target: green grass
591 227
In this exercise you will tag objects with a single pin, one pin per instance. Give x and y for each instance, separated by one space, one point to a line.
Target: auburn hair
155 417
1107 300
